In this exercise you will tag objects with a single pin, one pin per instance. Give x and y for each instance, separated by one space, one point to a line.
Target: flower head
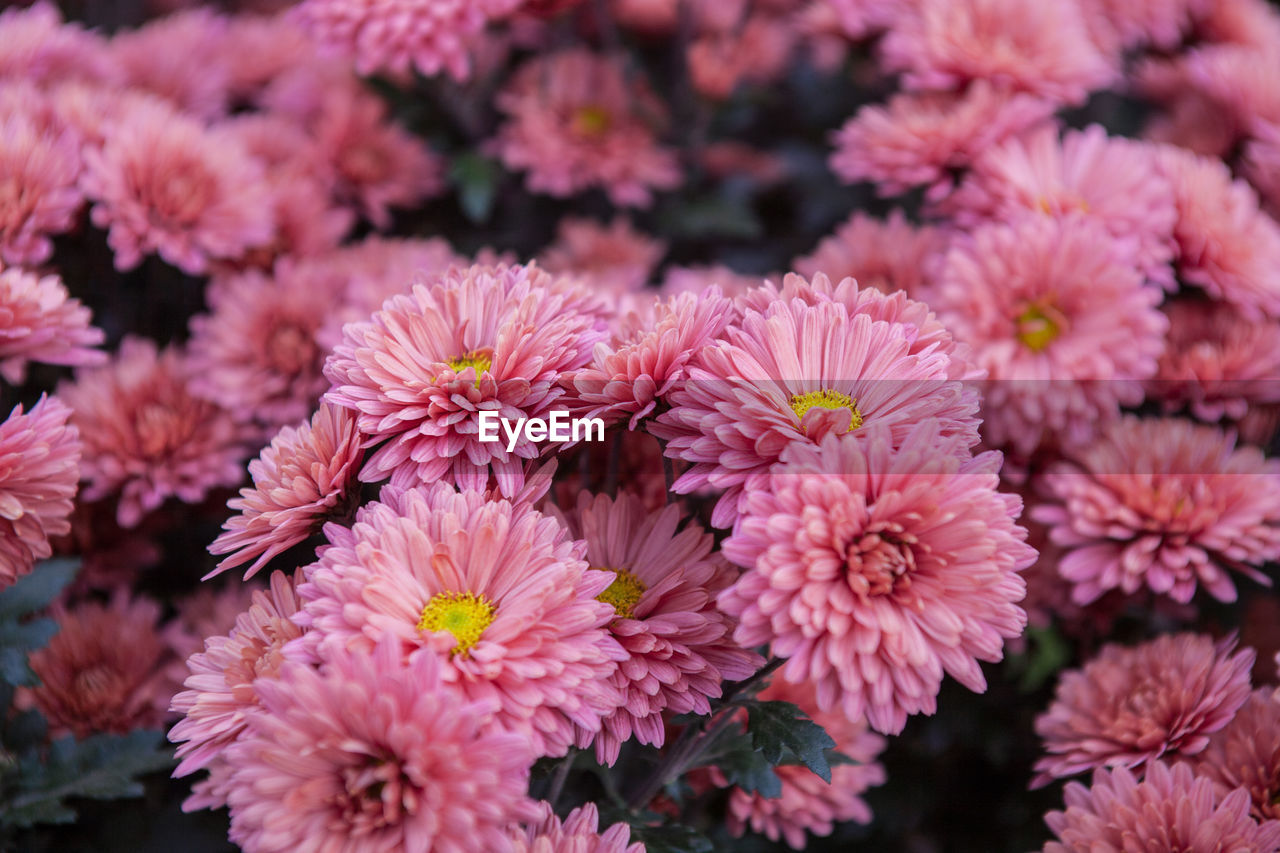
40 322
579 832
886 255
1246 754
39 196
36 44
617 257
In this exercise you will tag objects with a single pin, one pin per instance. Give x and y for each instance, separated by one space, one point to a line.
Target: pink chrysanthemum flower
479 339
306 477
145 436
255 354
212 609
678 645
104 669
39 471
1165 504
888 255
257 48
575 121
698 279
178 57
1170 809
756 52
1161 24
1217 363
37 45
615 257
1130 706
876 565
579 833
630 375
1113 180
1041 48
220 691
917 139
373 753
1060 318
163 182
40 196
40 322
795 374
808 805
1226 245
1246 754
496 590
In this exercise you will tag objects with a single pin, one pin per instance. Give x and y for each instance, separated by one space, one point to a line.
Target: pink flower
1040 48
1060 318
104 669
40 322
163 182
1161 24
145 436
1171 809
495 590
579 832
916 139
39 196
1130 706
876 564
617 257
575 121
423 369
697 279
220 692
373 753
39 471
1113 180
1164 504
1246 754
178 57
757 52
306 477
37 45
678 645
887 255
795 374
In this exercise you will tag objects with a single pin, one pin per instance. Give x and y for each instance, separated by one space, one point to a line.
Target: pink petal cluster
615 257
579 832
1162 504
39 472
1130 706
372 753
576 121
40 196
178 58
1170 809
534 643
40 322
1246 754
36 44
875 565
888 255
1140 23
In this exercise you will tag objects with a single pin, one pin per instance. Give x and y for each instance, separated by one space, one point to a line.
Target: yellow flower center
463 614
592 121
479 360
827 399
623 593
1037 327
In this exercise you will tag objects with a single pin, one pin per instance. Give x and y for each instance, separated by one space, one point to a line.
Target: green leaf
746 767
780 729
671 838
17 641
1046 653
38 589
476 178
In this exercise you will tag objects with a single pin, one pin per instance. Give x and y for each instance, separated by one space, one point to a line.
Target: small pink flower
36 44
887 255
615 257
1161 24
40 322
178 58
756 52
39 196
1246 754
578 832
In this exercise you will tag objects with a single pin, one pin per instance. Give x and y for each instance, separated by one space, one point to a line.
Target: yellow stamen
1037 328
592 121
463 614
826 399
479 360
624 593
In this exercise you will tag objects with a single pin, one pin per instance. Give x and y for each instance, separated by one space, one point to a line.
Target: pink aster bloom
104 669
678 646
1165 504
373 753
916 139
178 58
220 691
579 832
1225 244
1246 754
1170 809
1040 48
40 322
145 436
1060 318
1113 180
809 805
306 477
575 121
479 339
495 590
795 374
615 257
877 565
1161 24
37 45
39 196
1130 706
39 471
887 255
162 182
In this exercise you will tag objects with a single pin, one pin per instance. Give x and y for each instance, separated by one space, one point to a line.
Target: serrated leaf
781 728
747 768
37 590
